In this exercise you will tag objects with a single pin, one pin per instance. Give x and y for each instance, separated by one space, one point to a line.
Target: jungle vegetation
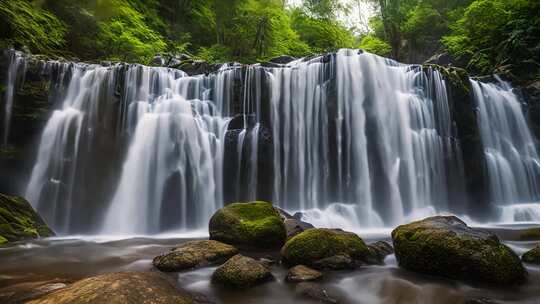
481 35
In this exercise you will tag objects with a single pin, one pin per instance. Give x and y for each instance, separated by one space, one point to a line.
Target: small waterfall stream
15 76
513 163
349 139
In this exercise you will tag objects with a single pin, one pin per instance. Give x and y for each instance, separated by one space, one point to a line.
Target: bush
26 25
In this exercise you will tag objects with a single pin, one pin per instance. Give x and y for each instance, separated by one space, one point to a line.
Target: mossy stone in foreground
254 224
313 245
19 221
446 246
241 272
119 288
532 256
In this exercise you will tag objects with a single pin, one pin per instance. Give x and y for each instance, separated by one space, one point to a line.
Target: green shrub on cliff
24 24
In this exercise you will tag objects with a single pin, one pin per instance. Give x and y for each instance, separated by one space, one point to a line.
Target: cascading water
172 174
357 141
385 147
513 164
15 76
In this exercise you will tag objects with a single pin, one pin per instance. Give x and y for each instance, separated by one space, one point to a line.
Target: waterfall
172 135
350 139
15 76
386 147
513 164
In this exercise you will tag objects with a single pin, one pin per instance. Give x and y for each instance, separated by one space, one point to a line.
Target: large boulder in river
194 254
254 224
321 247
19 221
118 288
446 246
241 272
532 256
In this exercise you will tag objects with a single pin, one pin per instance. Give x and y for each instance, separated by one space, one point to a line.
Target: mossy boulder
254 224
532 256
194 254
314 245
122 287
241 272
446 246
19 221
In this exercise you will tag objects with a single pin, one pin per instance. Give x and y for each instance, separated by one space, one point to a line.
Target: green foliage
375 45
123 34
498 35
136 30
35 28
321 34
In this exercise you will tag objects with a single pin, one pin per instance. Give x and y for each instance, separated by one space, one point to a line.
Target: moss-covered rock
255 224
446 246
241 272
532 256
313 245
194 254
122 287
19 221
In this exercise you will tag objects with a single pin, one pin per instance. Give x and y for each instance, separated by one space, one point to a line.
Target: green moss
3 240
446 246
315 244
255 224
19 221
532 256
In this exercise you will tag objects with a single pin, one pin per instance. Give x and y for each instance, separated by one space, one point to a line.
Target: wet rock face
378 251
532 94
194 254
19 221
446 246
532 256
318 247
122 287
301 273
241 272
255 224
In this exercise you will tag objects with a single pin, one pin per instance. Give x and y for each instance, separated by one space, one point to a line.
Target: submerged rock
316 292
121 287
19 221
241 272
194 254
378 251
254 224
446 246
532 256
301 273
314 245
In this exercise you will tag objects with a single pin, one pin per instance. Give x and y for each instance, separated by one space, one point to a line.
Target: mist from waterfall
513 164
